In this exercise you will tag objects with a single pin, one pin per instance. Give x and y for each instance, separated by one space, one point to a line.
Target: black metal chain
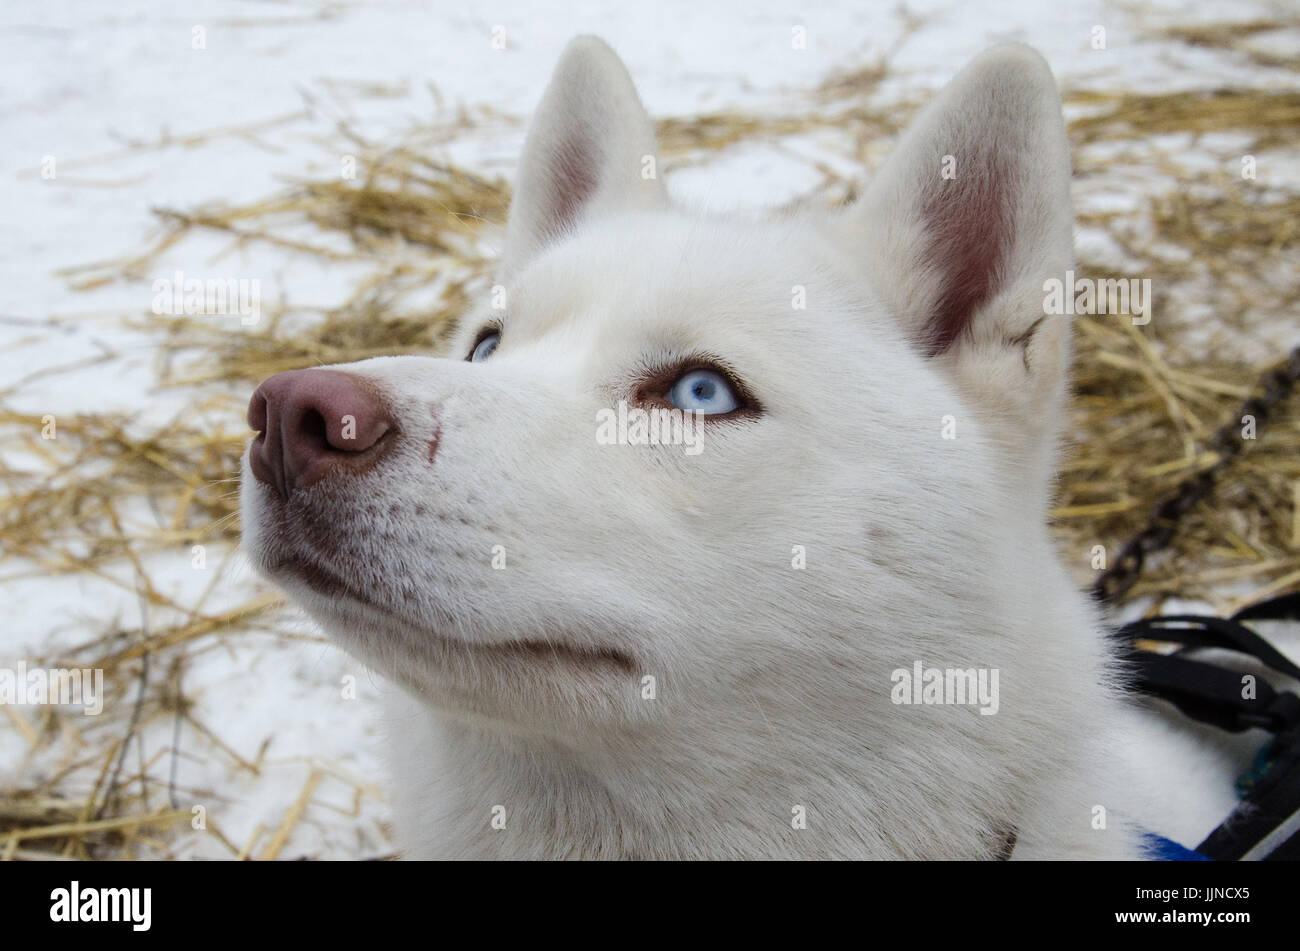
1274 387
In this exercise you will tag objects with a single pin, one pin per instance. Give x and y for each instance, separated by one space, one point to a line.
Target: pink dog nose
311 421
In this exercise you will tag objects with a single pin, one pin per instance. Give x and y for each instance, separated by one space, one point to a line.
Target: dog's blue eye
703 391
483 349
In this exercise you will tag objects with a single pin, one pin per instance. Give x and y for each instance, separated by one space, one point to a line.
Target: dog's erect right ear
590 151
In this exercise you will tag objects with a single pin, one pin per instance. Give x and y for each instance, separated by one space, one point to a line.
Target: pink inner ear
967 221
573 180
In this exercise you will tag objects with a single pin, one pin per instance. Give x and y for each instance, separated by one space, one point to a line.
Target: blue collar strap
1160 849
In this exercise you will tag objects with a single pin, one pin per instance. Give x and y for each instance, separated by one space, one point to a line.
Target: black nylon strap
1195 631
1266 824
1214 694
1283 608
1208 692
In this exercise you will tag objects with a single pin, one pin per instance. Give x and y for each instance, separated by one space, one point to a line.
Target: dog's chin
523 685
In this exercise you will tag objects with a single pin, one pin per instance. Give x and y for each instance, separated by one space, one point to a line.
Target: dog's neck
782 789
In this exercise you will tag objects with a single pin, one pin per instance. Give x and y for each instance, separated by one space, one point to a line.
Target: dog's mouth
539 653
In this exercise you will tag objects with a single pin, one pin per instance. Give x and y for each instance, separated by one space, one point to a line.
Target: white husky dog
609 648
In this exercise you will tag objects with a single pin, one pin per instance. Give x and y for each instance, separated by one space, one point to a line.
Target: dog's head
873 399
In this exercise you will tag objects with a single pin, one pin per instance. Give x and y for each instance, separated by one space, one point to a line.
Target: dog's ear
964 223
590 151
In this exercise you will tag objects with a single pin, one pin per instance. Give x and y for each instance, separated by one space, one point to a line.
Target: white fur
773 683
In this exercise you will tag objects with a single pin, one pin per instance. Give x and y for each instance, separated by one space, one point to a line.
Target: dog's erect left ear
590 151
965 222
